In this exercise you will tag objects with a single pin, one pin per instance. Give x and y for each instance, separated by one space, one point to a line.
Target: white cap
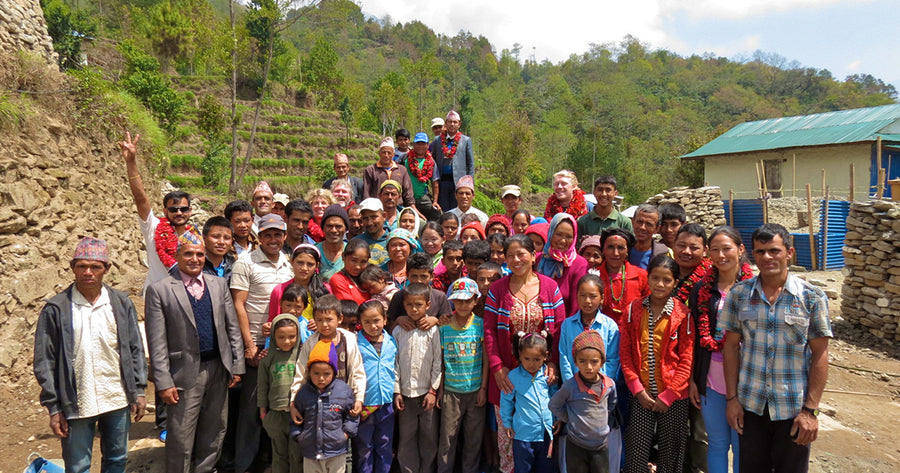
510 189
437 121
371 204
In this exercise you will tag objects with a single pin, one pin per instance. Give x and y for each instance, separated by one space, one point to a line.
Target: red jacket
635 288
677 351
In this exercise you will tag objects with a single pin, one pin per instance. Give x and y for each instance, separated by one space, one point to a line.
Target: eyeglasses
175 210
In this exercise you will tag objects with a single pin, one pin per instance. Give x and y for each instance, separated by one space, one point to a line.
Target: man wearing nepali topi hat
452 153
89 363
196 354
386 168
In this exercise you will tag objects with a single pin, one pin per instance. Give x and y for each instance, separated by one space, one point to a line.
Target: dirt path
858 431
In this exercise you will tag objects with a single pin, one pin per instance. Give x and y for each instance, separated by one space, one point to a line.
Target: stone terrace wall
22 27
703 205
872 268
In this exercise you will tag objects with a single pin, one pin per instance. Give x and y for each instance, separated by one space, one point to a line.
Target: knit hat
464 288
263 187
189 237
335 210
588 339
539 229
593 240
387 142
477 226
92 249
466 181
323 351
453 115
390 182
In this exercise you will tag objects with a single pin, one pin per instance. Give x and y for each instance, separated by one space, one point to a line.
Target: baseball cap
510 189
464 289
270 221
421 138
281 198
437 121
371 204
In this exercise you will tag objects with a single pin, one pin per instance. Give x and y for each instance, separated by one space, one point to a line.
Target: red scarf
449 152
166 241
683 290
577 206
710 281
423 174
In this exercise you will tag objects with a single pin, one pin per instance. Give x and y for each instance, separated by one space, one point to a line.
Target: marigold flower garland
577 206
450 151
708 282
424 173
686 285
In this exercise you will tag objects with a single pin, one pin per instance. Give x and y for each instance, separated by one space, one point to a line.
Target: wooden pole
794 178
880 184
765 193
823 185
812 238
824 231
852 181
731 207
758 181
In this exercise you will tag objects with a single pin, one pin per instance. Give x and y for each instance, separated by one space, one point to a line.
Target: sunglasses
183 210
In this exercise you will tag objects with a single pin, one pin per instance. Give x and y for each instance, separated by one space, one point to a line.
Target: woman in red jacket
622 282
345 283
656 350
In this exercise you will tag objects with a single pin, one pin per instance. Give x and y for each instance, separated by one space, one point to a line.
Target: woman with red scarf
622 282
707 388
559 260
566 196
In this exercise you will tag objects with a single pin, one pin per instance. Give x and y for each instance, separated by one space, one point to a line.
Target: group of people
384 321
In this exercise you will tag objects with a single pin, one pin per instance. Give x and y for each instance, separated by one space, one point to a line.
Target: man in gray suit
196 354
452 151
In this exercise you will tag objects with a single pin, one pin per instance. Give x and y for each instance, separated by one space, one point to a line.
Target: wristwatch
814 412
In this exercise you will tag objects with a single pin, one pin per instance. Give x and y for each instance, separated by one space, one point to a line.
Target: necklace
612 290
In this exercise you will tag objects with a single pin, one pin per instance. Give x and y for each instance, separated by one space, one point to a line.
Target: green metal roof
844 126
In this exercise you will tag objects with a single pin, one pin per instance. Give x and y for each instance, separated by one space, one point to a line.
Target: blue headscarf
554 262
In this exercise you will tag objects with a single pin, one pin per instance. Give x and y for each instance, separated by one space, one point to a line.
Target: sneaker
163 435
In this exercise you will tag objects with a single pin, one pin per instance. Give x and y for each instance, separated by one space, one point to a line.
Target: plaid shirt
775 355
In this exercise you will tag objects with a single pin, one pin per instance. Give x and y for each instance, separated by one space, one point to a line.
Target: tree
169 30
68 29
321 73
274 16
346 118
510 144
422 73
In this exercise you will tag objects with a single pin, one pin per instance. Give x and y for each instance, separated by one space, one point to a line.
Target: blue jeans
721 435
532 456
76 448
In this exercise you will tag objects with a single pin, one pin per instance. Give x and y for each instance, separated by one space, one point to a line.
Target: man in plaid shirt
775 357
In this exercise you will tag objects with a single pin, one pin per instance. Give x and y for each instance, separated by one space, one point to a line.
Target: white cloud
854 66
698 9
554 30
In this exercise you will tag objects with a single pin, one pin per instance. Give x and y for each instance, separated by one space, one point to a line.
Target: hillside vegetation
337 79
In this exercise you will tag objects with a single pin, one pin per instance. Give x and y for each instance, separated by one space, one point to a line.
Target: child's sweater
327 423
276 373
356 375
588 410
525 409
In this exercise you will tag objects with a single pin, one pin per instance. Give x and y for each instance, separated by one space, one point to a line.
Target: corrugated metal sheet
844 126
748 216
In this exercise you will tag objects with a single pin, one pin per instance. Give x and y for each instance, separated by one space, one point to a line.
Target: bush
143 80
215 165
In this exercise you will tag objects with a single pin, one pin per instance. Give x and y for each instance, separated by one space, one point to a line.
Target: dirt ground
857 428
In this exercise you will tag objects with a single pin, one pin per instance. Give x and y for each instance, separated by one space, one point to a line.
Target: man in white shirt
465 194
254 276
89 363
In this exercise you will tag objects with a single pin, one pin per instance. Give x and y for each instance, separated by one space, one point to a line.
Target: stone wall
22 27
871 292
703 205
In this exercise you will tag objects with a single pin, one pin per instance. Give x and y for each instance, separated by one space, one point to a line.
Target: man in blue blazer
452 151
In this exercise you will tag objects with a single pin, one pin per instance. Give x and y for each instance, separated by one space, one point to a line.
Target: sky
844 36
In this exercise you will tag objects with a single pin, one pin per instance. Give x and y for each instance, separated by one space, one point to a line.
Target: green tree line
619 108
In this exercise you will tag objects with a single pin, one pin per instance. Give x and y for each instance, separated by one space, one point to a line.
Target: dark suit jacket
172 332
463 159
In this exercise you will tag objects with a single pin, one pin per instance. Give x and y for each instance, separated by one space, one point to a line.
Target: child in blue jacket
524 411
324 403
373 445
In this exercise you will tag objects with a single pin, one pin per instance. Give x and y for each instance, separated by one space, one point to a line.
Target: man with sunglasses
177 213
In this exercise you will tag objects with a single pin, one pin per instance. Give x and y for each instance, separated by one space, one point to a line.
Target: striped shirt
463 356
775 354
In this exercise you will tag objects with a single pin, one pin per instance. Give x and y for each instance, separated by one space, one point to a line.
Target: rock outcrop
22 28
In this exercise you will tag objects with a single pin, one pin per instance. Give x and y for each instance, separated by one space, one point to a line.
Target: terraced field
293 147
